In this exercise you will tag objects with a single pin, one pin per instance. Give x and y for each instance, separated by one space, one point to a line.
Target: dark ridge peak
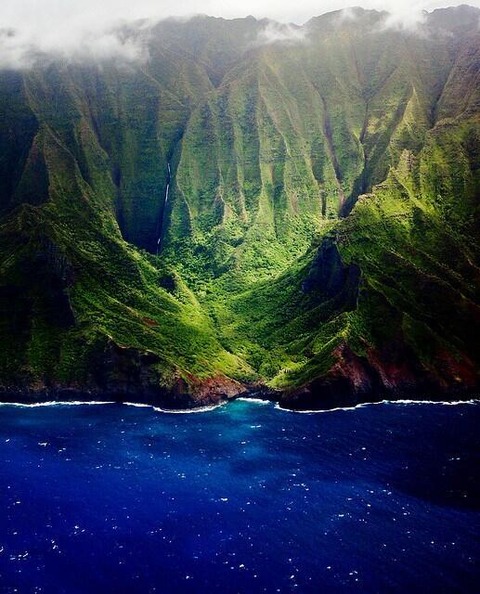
248 19
346 15
456 18
207 22
359 10
202 17
461 9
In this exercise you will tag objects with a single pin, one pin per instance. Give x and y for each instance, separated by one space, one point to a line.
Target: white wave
175 411
394 402
188 411
138 404
55 403
328 410
438 402
255 400
202 409
94 402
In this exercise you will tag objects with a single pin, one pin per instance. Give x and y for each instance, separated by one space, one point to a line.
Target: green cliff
240 210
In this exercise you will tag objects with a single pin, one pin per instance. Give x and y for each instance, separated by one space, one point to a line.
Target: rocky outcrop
393 373
127 375
331 279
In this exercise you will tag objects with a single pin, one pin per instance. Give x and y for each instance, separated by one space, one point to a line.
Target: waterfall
163 208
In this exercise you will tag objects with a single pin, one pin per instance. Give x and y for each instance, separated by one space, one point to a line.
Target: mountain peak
456 18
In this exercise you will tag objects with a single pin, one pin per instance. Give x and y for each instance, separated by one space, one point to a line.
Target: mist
281 33
90 29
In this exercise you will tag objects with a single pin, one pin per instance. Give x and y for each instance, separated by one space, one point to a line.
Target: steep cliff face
237 210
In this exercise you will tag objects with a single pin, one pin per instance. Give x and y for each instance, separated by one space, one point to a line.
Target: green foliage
321 194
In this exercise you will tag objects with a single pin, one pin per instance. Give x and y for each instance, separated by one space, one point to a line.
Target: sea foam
188 411
254 400
394 402
55 403
203 409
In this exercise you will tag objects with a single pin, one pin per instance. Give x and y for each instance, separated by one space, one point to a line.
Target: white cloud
406 20
79 28
72 29
20 48
408 16
280 33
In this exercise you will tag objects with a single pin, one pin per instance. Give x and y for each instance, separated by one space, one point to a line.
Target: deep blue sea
245 498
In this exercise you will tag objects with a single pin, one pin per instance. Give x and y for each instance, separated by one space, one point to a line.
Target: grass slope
322 219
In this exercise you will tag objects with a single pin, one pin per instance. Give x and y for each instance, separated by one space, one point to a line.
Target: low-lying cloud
280 33
409 17
21 49
69 29
81 29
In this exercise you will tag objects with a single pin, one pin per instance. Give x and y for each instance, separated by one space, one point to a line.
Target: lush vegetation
322 215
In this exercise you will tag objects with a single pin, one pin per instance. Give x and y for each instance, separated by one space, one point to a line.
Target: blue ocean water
245 498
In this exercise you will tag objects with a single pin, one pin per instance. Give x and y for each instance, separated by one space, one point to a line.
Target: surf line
164 208
399 402
57 403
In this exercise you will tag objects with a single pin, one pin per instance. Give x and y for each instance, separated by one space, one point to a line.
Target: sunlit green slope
252 205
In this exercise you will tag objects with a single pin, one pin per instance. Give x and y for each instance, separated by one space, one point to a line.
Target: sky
81 25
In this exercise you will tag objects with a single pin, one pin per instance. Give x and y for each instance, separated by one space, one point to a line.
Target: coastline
186 403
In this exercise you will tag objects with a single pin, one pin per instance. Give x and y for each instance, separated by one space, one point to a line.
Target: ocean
243 498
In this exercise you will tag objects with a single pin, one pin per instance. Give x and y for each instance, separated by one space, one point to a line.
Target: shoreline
470 399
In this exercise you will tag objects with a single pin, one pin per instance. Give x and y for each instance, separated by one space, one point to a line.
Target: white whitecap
261 401
393 402
138 404
438 402
55 403
188 411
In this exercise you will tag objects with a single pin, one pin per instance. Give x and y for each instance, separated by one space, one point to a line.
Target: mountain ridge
234 216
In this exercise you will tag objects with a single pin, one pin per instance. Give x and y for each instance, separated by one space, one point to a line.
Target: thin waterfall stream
163 209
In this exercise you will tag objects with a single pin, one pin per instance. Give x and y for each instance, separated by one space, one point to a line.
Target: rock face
126 375
329 276
394 375
240 214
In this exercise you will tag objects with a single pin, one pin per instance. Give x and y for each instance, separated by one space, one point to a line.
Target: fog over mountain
47 13
86 28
